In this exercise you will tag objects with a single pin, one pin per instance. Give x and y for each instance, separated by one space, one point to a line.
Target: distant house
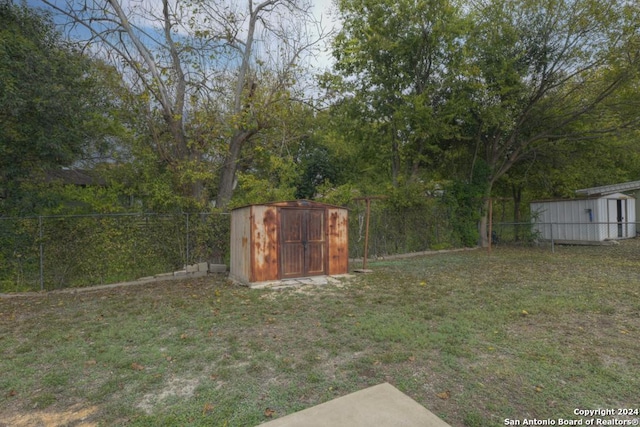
604 213
78 177
87 179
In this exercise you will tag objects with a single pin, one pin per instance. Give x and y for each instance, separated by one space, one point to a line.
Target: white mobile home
595 219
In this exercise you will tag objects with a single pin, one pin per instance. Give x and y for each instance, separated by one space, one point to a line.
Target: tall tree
232 61
51 98
520 75
539 68
396 58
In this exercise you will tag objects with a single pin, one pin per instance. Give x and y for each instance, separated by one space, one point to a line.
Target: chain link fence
395 230
574 233
52 252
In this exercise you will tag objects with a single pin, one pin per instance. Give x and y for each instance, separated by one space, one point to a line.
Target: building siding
584 219
257 251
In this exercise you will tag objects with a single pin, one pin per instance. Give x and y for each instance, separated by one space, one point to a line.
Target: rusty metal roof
294 203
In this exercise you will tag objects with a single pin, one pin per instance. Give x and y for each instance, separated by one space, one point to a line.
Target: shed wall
265 224
240 245
632 217
256 234
567 220
610 210
338 238
585 219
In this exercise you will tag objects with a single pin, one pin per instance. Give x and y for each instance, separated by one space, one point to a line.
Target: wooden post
366 232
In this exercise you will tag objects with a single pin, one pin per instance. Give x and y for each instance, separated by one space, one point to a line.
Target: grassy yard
477 339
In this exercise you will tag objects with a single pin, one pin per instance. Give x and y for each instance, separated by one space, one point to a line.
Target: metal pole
187 243
366 236
490 224
41 253
553 248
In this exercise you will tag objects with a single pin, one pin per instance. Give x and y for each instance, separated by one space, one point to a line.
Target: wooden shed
592 219
291 239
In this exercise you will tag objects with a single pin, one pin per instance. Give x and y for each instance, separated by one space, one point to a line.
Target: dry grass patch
474 338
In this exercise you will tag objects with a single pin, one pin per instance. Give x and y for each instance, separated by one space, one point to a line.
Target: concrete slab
584 242
300 281
217 268
163 275
382 406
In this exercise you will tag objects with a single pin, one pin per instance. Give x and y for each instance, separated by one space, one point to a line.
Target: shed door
303 242
618 218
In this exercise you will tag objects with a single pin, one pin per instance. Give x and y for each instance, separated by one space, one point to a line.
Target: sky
323 10
312 65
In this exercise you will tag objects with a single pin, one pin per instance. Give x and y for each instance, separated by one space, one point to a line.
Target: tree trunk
484 225
229 168
395 162
517 198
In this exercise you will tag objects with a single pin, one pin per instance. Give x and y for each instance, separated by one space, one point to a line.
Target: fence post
40 234
187 242
553 248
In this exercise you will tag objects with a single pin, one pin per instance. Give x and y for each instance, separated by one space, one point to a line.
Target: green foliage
394 57
58 198
156 186
255 190
465 201
357 150
209 239
58 108
48 98
536 80
79 251
19 254
318 168
413 194
85 250
341 195
428 88
523 96
557 170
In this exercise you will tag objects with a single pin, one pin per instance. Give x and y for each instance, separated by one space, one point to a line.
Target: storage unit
629 188
608 217
291 239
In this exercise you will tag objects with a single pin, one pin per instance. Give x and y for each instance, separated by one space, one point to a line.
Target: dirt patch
77 415
180 387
